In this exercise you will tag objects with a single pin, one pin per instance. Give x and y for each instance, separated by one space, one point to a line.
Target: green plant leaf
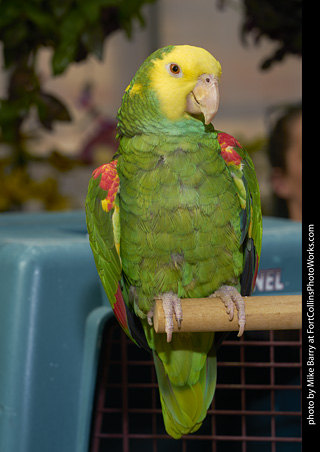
66 52
90 10
9 12
93 40
40 18
50 109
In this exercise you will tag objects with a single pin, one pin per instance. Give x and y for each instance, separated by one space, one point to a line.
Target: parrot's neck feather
163 126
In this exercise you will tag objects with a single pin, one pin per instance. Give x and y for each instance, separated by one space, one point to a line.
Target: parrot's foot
231 297
171 304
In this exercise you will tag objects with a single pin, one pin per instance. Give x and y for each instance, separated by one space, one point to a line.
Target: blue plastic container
49 294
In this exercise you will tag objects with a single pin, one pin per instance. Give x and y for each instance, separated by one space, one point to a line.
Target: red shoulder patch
228 152
109 182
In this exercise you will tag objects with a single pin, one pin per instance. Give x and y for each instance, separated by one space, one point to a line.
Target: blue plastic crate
50 292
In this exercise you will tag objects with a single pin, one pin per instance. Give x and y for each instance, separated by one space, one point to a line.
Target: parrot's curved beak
204 98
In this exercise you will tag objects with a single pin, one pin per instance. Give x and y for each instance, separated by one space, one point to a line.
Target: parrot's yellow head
176 82
186 82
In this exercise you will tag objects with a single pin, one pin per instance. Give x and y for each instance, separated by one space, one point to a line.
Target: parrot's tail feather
184 407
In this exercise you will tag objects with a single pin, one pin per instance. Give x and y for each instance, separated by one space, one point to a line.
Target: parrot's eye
174 69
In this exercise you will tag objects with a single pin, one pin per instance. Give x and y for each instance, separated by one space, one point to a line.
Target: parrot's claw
150 317
231 297
171 304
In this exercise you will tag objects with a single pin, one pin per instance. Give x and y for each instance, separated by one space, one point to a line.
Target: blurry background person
285 154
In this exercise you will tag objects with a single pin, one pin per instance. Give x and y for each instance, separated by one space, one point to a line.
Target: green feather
186 380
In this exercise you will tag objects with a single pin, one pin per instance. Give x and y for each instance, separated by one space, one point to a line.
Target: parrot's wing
103 225
242 171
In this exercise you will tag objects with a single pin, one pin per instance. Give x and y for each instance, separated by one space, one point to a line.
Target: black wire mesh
257 404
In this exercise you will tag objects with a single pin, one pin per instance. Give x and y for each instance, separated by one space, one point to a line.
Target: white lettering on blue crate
269 280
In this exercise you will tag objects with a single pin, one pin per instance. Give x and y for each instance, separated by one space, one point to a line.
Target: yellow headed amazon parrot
176 214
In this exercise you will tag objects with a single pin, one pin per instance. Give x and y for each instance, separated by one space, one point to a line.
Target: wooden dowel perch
209 314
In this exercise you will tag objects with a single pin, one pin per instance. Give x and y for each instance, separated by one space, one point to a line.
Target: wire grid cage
257 403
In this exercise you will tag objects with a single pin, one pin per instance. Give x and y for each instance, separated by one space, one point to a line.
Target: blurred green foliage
278 20
73 29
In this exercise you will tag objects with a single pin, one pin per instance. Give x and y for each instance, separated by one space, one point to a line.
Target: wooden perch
209 314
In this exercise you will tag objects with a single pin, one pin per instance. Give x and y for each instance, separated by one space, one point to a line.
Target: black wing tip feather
136 330
246 279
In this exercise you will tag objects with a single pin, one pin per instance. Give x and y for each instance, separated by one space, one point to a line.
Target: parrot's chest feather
179 219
